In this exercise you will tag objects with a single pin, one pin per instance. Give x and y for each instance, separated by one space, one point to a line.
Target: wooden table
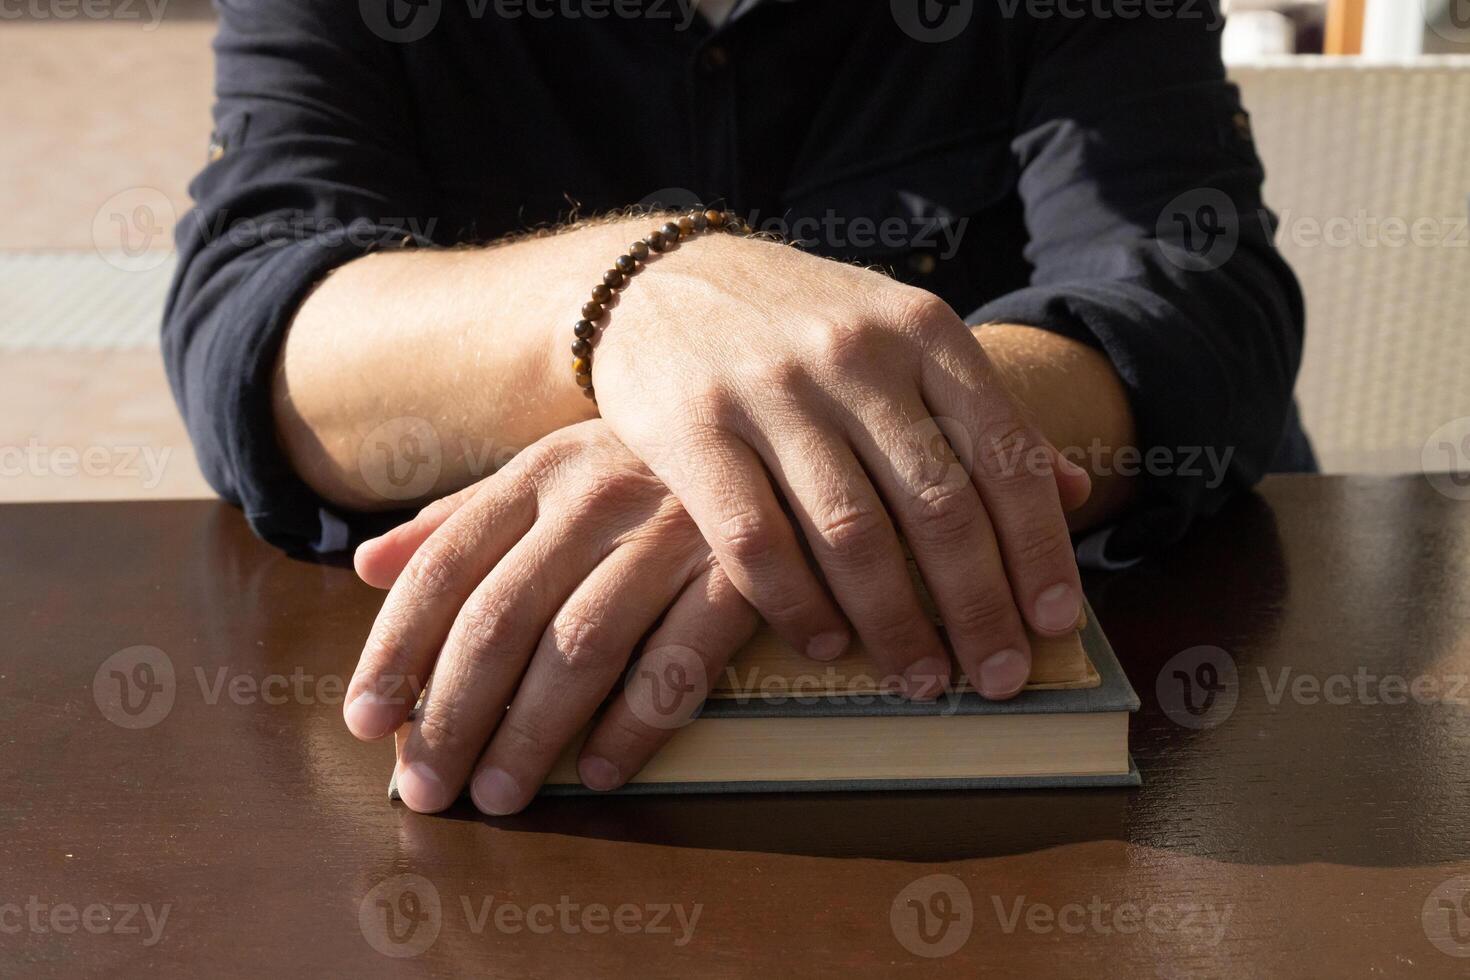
222 822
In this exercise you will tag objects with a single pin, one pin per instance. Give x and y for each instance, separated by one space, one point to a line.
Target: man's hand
531 589
767 365
743 373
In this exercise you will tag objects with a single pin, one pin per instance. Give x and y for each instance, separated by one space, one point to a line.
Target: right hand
777 367
523 597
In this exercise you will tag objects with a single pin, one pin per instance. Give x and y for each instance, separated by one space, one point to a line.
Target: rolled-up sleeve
312 165
1150 241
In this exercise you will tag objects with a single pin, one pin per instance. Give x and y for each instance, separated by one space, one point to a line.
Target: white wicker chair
1388 326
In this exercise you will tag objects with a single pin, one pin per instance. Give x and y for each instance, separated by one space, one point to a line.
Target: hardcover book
775 721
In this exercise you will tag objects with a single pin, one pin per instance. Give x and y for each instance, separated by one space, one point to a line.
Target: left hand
800 381
531 589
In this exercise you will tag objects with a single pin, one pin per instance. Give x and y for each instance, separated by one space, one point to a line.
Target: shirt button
923 263
715 58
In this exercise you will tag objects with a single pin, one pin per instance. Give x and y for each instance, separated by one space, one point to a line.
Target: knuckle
444 731
483 629
748 538
780 374
1043 549
852 533
848 345
433 570
983 613
385 649
712 404
387 642
920 310
944 510
1000 453
580 641
542 456
669 525
618 484
523 729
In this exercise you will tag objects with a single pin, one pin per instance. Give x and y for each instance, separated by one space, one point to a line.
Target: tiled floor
100 118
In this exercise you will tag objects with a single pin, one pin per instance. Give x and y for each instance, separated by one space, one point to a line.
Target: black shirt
1050 164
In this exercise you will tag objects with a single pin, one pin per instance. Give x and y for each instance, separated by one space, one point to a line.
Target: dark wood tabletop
181 797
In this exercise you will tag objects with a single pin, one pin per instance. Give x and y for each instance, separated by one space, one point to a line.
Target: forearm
469 340
475 341
1078 401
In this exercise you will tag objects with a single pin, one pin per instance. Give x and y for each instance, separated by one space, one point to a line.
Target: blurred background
1361 111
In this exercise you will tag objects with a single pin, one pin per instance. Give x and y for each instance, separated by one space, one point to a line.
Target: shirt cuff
1179 401
251 467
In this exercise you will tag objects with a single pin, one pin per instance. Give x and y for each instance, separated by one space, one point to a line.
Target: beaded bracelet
630 264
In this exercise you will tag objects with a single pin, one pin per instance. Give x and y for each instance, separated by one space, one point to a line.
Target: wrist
582 255
652 279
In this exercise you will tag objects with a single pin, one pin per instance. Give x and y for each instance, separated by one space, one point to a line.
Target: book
1057 663
776 721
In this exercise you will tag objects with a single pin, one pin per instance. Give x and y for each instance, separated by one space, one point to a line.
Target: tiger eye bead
581 347
639 251
601 294
583 329
581 366
671 232
715 218
699 220
656 241
584 380
592 310
613 278
625 264
686 226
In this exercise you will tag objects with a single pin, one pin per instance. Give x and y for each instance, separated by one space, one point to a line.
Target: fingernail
924 680
599 774
1057 608
1003 674
496 792
370 715
827 646
422 789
